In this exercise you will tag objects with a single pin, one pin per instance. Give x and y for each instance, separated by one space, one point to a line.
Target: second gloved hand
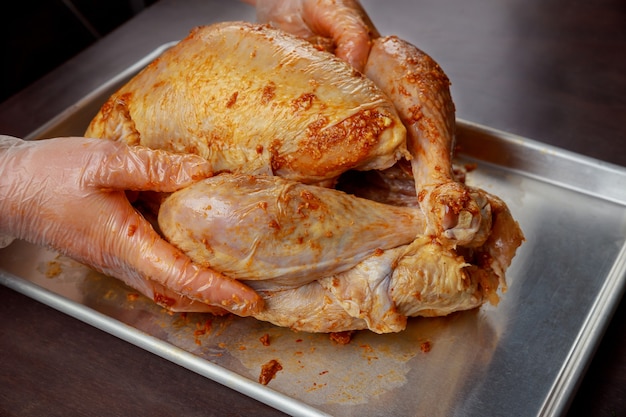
344 22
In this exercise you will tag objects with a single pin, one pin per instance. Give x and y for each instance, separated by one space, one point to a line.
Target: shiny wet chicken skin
323 260
420 92
363 268
253 99
278 232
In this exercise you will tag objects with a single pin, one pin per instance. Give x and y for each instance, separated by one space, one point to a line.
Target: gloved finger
176 302
285 14
139 168
173 301
347 23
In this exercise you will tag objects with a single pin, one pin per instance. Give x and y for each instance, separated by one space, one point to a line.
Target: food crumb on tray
269 370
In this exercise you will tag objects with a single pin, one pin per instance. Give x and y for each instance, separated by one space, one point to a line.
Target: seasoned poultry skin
408 239
278 232
250 98
327 261
420 91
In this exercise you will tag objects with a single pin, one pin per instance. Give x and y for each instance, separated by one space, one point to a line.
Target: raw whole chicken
286 125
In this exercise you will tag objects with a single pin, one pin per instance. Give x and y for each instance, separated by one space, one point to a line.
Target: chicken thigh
279 232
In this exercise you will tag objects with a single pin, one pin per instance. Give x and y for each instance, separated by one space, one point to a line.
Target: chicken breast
253 99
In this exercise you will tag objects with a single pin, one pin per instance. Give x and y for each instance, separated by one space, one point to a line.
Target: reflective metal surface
550 72
526 354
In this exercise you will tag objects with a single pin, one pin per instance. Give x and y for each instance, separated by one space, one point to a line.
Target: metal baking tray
522 357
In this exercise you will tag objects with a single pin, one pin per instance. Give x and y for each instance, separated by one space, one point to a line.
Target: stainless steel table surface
549 71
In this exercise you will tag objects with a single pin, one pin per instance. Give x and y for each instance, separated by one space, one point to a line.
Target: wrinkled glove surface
344 22
68 194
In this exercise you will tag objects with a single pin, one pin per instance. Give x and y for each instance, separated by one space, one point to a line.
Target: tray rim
588 339
616 173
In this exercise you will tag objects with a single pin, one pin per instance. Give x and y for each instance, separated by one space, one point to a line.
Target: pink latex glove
345 22
69 194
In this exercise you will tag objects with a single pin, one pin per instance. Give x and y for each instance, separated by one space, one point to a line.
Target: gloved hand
345 22
69 194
